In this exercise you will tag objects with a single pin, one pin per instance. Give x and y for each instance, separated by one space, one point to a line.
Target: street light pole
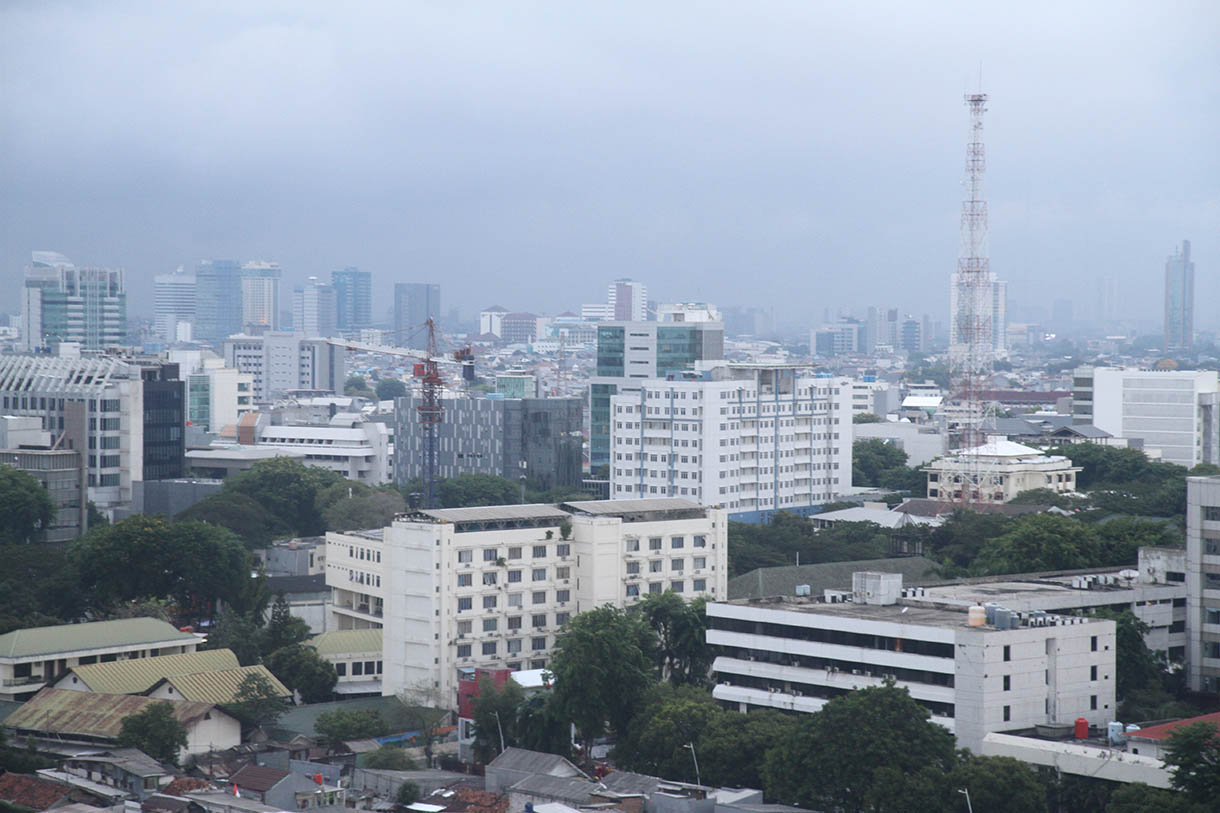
698 779
500 729
969 807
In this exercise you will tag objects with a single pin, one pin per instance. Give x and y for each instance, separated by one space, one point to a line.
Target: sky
794 155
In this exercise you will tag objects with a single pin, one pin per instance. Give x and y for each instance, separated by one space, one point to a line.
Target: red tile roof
258 778
30 791
183 784
1160 732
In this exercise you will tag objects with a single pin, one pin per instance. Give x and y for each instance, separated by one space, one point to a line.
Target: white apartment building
1008 469
218 396
1203 583
975 676
1175 413
349 445
260 295
282 363
313 308
464 588
174 304
752 438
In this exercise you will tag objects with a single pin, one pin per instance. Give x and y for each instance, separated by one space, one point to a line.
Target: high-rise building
1180 299
629 300
1203 583
175 305
218 301
353 299
26 446
414 304
281 363
260 296
217 396
63 303
313 309
630 351
165 406
999 316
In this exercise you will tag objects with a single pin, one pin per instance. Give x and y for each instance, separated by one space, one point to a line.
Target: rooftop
490 513
39 641
132 760
341 642
637 510
220 686
535 762
1160 732
139 675
258 778
30 791
91 714
782 581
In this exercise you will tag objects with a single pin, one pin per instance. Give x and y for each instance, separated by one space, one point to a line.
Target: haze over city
795 155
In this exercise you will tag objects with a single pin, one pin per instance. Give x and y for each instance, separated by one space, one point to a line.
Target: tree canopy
301 669
155 731
390 388
256 701
871 457
288 489
26 507
681 654
349 724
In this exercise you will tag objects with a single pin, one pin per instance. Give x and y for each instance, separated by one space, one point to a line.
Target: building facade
313 309
217 396
466 588
414 304
754 439
280 363
260 296
630 351
175 305
164 421
1203 583
353 299
218 301
1008 469
63 303
1180 300
797 653
628 300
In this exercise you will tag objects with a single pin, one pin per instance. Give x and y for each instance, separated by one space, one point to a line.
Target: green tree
374 509
389 758
39 586
733 748
288 489
1038 542
602 665
354 384
542 725
155 731
495 716
26 508
237 632
998 784
303 670
340 725
870 457
408 794
1137 797
257 702
1193 751
658 740
832 760
467 490
1044 496
682 654
390 388
253 524
283 628
865 417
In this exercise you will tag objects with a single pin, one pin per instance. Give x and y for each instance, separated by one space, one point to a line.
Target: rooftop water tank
1082 728
977 616
1003 618
1114 732
1132 728
991 607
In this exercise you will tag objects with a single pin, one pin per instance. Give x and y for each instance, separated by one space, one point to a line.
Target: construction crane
431 409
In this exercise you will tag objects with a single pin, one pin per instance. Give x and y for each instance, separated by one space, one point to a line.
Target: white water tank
977 615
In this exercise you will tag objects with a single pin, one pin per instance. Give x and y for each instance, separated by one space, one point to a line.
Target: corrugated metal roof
615 507
534 762
91 714
220 686
491 513
139 675
342 642
94 635
258 777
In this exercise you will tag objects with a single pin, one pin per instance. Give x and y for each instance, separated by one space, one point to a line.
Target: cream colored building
462 588
1007 469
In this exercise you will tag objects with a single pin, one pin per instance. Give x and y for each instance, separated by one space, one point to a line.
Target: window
489 554
1007 683
538 663
489 578
465 580
514 576
633 568
677 587
654 587
539 551
465 556
563 549
514 553
700 541
538 643
515 599
539 597
677 542
562 595
654 543
464 627
514 646
699 585
539 574
1093 643
676 565
538 620
633 545
490 624
489 602
357 668
1093 702
463 650
700 562
654 566
562 618
341 669
1092 673
1007 713
514 622
489 647
1008 652
465 603
563 572
633 590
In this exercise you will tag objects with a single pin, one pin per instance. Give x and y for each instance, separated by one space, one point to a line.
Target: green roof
37 641
343 642
139 675
221 685
90 714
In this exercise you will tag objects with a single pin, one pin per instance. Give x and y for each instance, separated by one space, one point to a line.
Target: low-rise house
93 718
515 764
129 770
356 656
31 792
140 675
1007 468
1151 741
218 687
287 790
31 659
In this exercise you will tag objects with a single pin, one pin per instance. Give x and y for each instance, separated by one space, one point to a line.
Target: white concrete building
491 587
1010 467
752 438
797 653
629 300
174 303
1175 413
490 320
218 396
260 296
1203 583
283 363
921 441
349 445
313 309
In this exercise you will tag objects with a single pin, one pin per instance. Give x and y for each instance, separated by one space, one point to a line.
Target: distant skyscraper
353 298
1180 299
218 306
175 303
63 303
1107 302
313 309
629 300
260 296
999 315
414 304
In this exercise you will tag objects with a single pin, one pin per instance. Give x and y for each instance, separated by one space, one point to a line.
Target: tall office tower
1107 302
63 303
912 335
218 310
414 304
630 351
175 305
260 296
313 309
353 298
999 315
629 299
1180 299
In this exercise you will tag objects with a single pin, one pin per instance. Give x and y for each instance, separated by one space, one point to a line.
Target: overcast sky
800 155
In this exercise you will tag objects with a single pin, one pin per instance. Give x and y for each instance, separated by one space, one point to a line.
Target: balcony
32 680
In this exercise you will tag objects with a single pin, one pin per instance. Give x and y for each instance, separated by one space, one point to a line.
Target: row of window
364 554
512 623
657 565
675 542
537 574
359 668
493 554
677 586
492 601
512 646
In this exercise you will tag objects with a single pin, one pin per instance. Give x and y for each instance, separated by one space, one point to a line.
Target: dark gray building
538 437
62 474
414 304
164 421
353 298
218 301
